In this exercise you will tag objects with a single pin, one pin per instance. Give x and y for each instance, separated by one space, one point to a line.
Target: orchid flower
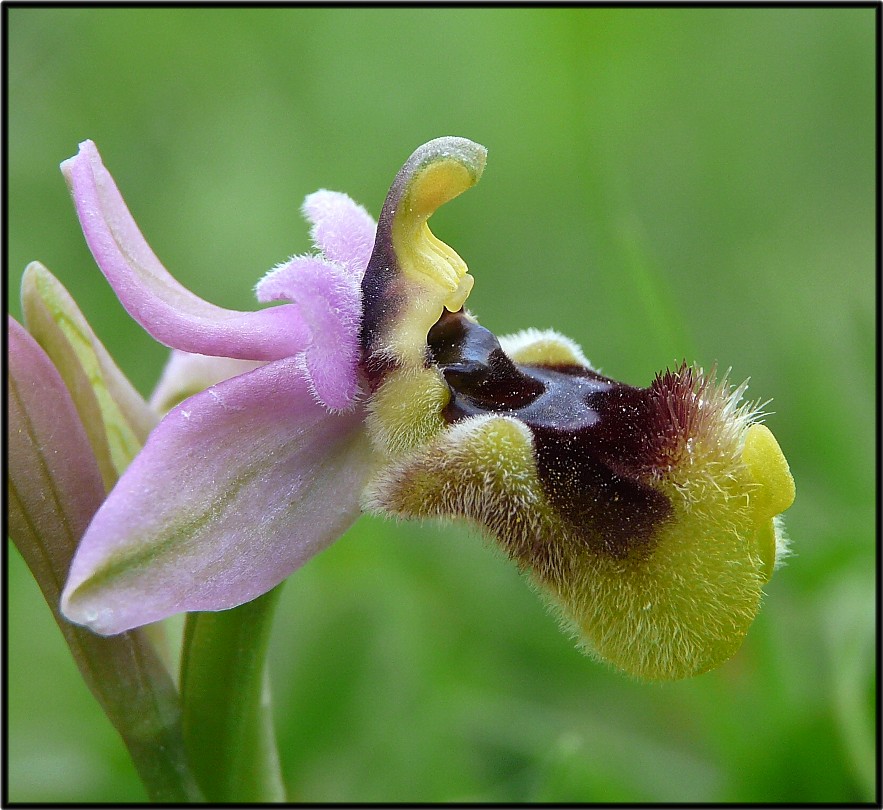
265 472
647 517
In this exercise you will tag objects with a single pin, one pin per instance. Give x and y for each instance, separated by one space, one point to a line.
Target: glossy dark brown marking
594 436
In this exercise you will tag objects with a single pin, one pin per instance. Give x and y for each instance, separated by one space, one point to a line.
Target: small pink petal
332 307
236 488
330 302
342 229
167 310
285 281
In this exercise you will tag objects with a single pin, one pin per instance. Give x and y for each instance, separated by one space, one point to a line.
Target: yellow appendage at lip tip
435 277
435 184
423 257
774 488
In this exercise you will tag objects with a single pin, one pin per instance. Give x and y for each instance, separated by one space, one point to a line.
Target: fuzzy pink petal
342 229
236 488
331 361
167 310
285 281
330 302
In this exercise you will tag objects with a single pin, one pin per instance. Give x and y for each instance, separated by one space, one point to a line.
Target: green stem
227 720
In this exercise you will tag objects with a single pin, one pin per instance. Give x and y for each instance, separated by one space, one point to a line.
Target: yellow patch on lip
535 347
765 544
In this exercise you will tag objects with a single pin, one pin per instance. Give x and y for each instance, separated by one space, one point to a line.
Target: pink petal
342 229
330 302
186 374
332 358
168 311
54 484
236 488
285 281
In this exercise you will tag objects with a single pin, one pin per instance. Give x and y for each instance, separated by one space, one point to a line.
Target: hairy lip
587 431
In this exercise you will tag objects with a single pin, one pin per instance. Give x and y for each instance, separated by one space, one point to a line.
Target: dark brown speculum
590 432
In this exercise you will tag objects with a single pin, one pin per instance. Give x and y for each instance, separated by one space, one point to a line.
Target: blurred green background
661 184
